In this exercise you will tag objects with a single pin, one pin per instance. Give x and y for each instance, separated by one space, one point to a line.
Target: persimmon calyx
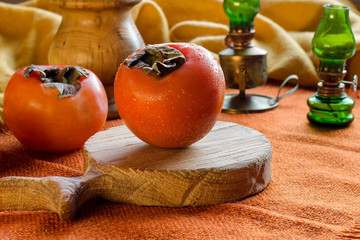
156 60
65 80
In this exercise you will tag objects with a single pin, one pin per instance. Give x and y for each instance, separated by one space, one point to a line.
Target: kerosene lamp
333 43
243 64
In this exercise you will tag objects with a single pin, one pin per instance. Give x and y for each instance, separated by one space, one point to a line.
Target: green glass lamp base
330 111
330 122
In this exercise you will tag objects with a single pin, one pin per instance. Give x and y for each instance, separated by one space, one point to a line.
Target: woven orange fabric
314 192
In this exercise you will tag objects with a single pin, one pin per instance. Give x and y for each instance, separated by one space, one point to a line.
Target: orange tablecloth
314 192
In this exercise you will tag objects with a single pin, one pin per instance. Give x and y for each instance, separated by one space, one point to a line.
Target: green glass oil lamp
243 64
333 43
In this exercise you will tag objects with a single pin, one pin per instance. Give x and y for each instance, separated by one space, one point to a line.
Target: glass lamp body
333 43
241 13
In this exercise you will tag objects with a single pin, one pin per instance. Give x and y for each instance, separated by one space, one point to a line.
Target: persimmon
54 108
170 95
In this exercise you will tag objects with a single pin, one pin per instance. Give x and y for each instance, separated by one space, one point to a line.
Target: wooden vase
97 35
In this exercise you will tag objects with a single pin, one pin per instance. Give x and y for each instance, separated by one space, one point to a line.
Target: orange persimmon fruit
53 108
170 95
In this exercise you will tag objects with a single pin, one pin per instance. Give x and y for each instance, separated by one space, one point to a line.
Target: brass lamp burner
332 84
237 38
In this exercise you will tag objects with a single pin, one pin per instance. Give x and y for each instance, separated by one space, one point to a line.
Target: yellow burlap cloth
284 28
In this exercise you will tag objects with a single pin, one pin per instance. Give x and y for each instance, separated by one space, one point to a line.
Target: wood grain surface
232 162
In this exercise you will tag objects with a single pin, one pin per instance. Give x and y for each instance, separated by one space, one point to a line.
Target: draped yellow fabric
284 28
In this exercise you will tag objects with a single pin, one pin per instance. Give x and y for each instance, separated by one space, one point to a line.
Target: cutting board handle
63 195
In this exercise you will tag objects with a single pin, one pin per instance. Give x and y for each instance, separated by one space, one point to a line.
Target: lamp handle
291 91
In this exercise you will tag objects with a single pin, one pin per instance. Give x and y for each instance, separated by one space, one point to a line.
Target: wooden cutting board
232 162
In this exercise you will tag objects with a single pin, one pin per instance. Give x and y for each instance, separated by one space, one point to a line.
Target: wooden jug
97 35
